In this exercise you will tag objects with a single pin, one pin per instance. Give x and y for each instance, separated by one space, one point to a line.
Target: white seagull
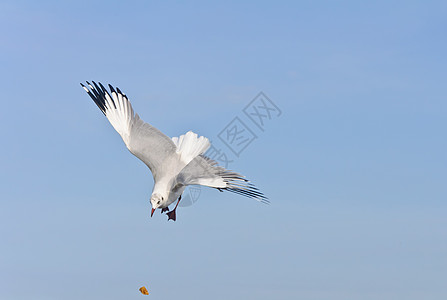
175 163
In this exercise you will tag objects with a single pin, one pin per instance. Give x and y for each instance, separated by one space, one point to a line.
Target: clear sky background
355 167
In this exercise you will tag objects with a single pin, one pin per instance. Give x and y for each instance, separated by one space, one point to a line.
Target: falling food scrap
144 291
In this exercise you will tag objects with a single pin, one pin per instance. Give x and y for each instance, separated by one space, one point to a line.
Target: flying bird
174 162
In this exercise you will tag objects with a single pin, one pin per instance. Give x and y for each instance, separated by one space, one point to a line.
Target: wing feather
205 171
146 142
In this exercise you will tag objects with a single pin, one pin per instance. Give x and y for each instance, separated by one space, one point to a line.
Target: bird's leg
164 209
171 214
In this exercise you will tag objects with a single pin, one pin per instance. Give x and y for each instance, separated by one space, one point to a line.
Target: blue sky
355 166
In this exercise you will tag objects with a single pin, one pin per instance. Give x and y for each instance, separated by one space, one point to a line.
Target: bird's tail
190 145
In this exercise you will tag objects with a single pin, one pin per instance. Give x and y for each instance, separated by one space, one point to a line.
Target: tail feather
190 145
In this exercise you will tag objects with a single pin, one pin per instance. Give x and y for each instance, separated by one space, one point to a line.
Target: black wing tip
96 94
237 183
247 190
112 89
102 87
94 86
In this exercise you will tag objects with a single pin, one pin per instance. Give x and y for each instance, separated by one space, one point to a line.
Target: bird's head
157 201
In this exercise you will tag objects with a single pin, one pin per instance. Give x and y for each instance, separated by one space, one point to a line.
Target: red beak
152 212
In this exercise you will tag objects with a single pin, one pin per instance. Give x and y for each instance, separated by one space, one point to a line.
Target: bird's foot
164 209
171 215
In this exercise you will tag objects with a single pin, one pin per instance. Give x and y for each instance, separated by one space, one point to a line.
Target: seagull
175 162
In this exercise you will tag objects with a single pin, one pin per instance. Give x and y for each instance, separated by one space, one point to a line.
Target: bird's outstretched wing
146 142
204 171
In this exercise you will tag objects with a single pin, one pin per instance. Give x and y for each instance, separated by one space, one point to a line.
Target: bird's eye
158 202
162 199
